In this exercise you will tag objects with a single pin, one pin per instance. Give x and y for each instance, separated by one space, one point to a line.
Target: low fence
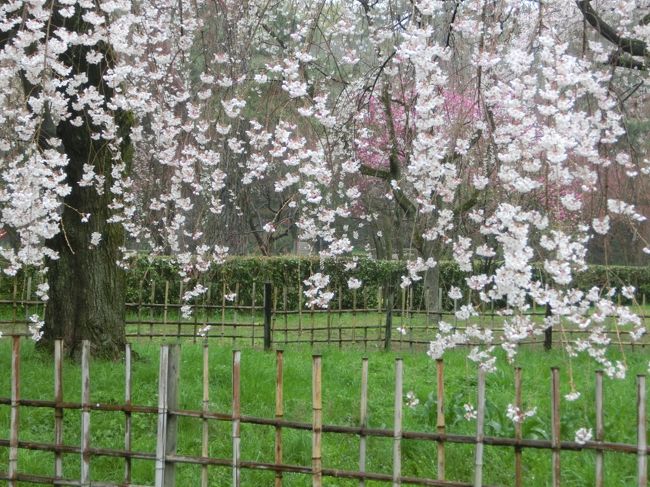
165 459
262 315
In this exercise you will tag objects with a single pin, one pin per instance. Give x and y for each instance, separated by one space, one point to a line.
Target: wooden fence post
642 440
555 424
167 423
548 331
58 411
440 417
15 418
390 298
205 408
397 423
268 314
600 429
127 414
279 413
317 423
518 429
363 419
85 413
480 422
236 418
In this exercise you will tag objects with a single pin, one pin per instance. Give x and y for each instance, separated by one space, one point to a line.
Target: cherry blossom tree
147 120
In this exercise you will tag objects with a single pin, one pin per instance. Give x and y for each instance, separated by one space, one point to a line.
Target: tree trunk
431 293
87 287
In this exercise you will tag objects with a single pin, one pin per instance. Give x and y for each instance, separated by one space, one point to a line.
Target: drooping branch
635 47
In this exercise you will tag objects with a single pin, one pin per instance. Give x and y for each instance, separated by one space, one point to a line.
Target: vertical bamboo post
151 308
14 306
223 307
518 432
253 320
127 413
480 423
179 315
162 415
397 423
165 308
555 424
206 407
354 316
139 307
286 315
339 318
58 410
548 332
15 412
28 297
600 429
167 423
279 413
317 422
642 440
363 419
235 313
389 316
328 318
299 307
236 418
440 416
85 414
268 312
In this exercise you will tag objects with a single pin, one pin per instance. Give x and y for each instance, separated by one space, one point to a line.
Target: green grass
341 384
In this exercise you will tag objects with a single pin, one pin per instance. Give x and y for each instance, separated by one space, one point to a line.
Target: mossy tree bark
87 287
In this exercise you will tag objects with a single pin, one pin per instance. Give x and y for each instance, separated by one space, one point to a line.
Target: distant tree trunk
431 293
87 287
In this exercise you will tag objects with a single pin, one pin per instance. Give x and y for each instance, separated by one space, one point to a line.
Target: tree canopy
481 130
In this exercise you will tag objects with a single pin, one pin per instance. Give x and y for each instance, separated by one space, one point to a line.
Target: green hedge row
286 274
150 277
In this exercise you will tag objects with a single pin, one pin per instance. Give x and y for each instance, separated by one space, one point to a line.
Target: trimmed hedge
148 277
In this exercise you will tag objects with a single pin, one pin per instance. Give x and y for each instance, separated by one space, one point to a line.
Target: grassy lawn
341 385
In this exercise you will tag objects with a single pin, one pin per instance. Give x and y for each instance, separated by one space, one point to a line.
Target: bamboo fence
165 459
388 319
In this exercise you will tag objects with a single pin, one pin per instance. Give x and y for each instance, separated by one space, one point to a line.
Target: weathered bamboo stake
317 422
58 411
165 308
440 416
152 301
162 415
139 307
354 315
518 432
14 305
85 413
480 422
642 441
223 306
397 423
286 315
28 295
555 424
236 418
279 412
15 412
206 407
127 413
340 327
253 312
363 418
600 428
179 315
